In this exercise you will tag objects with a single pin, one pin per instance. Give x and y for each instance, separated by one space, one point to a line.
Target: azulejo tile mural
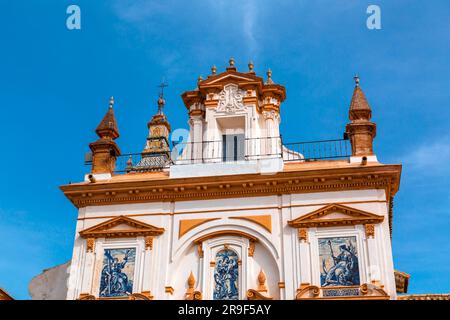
338 261
226 276
117 272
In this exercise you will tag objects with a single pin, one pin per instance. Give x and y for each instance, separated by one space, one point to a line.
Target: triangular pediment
120 227
230 77
334 215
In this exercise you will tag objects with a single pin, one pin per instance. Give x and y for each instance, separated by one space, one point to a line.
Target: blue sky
55 85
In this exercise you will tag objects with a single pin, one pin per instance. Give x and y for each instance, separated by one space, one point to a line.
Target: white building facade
233 213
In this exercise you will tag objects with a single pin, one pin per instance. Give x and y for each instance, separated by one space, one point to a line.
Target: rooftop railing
236 150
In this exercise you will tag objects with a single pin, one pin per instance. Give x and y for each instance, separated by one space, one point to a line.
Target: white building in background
233 213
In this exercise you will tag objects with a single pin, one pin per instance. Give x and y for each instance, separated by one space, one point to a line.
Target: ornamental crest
231 98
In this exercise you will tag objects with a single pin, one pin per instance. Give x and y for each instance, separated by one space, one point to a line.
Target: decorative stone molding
108 229
231 99
134 229
251 248
261 292
191 294
287 182
225 233
149 243
255 295
271 115
344 216
144 295
90 245
401 281
169 290
363 292
370 230
303 234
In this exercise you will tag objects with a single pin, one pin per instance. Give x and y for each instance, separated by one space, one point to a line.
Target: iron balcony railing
234 151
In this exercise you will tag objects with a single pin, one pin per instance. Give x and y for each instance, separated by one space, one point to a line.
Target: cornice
111 192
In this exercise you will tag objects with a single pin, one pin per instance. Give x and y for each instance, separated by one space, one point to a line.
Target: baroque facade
233 212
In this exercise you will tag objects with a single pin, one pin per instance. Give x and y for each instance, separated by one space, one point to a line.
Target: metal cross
162 86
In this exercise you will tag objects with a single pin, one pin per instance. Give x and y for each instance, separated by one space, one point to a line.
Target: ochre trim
287 182
188 224
225 233
264 221
137 228
255 295
366 292
169 290
230 210
317 218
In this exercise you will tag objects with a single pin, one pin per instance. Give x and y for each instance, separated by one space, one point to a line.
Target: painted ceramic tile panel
226 276
338 261
117 272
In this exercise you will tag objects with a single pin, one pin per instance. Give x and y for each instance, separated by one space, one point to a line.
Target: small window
233 147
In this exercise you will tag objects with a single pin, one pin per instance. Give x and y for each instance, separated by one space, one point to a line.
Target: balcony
243 151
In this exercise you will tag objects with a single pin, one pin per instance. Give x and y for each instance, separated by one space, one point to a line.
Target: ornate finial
250 66
262 281
231 61
111 102
356 78
199 79
269 77
129 163
191 281
161 101
214 69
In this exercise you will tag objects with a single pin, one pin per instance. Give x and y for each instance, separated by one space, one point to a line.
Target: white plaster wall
279 252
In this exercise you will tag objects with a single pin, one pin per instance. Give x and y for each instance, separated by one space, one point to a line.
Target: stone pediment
230 77
121 227
334 215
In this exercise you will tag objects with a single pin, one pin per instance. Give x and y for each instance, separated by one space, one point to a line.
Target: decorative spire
356 78
105 150
359 107
269 77
250 67
107 129
161 101
231 67
262 281
213 69
199 79
191 281
361 131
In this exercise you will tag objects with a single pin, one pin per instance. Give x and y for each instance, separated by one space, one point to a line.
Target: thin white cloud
429 158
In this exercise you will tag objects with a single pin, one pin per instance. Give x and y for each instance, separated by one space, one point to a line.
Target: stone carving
231 99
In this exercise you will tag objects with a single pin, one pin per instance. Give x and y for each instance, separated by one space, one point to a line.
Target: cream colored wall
279 253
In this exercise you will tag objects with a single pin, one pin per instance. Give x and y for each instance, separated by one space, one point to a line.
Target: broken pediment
121 227
335 215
